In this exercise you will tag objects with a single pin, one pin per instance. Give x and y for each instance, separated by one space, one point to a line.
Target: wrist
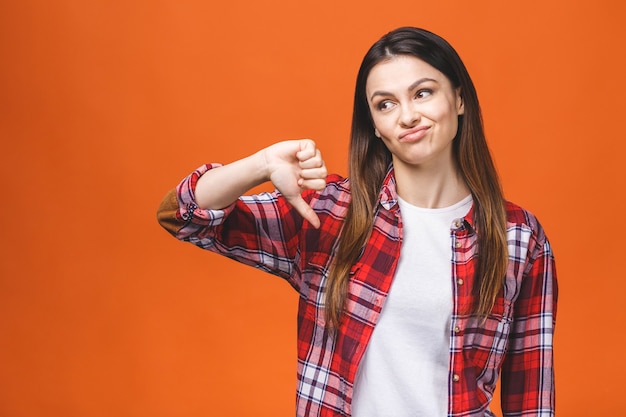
260 167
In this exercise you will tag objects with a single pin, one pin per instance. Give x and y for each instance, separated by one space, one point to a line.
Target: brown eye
385 105
424 93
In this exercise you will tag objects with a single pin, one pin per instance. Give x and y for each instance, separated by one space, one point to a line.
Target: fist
294 166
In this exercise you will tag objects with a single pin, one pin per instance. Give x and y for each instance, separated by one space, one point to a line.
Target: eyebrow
411 87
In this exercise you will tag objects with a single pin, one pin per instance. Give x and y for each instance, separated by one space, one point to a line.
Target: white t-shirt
404 371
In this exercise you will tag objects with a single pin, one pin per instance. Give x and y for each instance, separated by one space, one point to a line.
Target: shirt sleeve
259 230
528 367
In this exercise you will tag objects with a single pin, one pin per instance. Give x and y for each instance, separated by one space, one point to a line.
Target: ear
459 102
377 133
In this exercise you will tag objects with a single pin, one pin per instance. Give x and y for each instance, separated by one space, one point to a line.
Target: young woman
419 284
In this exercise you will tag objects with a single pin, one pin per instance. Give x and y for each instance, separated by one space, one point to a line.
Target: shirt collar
388 199
388 196
468 220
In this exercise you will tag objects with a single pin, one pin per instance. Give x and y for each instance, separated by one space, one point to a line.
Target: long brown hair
369 161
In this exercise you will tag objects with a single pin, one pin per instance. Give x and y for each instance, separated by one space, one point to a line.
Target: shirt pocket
486 338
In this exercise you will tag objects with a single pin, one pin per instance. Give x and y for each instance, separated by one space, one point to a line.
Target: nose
410 115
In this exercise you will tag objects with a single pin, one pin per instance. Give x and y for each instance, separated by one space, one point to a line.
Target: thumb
305 210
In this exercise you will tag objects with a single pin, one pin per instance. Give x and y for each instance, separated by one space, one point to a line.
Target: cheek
446 115
449 127
442 110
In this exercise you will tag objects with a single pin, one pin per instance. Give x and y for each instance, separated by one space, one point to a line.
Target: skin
415 112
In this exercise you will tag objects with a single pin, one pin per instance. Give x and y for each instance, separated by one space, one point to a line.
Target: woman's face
415 111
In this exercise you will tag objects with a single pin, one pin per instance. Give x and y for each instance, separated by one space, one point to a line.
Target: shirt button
460 281
457 244
457 329
456 378
457 223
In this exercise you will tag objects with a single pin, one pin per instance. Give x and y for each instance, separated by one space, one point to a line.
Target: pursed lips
413 134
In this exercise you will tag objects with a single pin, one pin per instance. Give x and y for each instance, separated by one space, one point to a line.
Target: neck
430 188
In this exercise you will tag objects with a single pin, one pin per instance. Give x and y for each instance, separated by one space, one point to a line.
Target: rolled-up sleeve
178 212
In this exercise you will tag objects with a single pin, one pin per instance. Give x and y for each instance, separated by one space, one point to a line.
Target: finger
314 173
313 169
305 211
314 161
314 184
307 150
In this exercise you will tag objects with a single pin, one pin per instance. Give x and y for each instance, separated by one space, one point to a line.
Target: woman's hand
294 166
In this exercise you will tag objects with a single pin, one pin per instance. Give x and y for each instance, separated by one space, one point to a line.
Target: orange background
105 105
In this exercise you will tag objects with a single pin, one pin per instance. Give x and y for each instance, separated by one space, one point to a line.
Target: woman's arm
292 166
208 208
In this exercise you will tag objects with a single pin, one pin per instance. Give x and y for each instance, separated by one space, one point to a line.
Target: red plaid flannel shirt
515 341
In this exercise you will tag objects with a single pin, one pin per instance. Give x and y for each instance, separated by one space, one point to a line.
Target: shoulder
337 182
522 221
334 198
337 187
520 216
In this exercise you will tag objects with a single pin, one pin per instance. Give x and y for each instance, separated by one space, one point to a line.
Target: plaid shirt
516 339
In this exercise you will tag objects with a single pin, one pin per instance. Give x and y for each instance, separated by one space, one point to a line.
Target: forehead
399 72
